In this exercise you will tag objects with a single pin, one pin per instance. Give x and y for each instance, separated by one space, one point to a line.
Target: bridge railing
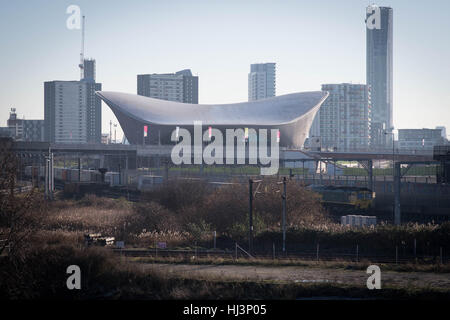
400 151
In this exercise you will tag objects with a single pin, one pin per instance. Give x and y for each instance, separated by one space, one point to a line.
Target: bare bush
227 207
179 194
20 214
152 216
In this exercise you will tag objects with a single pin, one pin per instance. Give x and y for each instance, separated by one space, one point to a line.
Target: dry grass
141 225
225 210
172 238
88 219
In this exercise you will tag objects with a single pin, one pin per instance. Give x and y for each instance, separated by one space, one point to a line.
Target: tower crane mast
81 65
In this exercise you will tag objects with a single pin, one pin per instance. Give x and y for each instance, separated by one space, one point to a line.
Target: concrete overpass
398 155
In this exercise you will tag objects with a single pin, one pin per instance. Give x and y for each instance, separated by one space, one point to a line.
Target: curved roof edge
280 110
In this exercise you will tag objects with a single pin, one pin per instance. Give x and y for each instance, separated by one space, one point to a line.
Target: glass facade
379 74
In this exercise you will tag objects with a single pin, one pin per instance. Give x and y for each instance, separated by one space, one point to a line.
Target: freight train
346 198
63 174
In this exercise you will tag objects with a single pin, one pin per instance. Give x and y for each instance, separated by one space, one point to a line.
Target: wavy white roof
278 110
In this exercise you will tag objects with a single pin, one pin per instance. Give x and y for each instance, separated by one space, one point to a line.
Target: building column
397 184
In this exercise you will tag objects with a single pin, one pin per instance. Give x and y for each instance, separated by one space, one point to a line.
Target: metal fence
314 253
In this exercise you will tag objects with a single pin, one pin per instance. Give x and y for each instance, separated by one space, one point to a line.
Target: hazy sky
312 42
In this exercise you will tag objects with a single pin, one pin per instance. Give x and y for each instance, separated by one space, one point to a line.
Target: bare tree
19 212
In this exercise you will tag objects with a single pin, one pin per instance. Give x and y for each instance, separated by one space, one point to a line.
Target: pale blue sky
312 42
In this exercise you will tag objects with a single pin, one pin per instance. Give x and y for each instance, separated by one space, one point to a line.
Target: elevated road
165 151
398 155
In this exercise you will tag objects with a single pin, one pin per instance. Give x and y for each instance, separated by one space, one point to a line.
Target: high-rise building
379 51
89 70
181 86
25 130
261 81
72 112
343 121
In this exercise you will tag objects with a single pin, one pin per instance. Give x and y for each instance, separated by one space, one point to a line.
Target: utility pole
397 188
396 181
52 176
49 176
47 180
284 214
110 131
79 169
250 216
120 174
115 129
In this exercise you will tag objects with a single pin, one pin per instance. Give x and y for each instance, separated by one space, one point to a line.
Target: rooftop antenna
81 65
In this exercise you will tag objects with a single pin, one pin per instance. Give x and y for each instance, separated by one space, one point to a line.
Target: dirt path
304 275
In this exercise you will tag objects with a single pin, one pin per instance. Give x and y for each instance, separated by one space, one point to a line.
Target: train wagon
148 182
64 175
360 198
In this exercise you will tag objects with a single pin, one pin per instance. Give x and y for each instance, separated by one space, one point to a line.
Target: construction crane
81 65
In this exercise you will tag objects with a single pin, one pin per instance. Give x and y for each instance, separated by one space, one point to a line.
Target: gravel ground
303 275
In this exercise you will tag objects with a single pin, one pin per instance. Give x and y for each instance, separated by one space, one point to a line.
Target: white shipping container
358 220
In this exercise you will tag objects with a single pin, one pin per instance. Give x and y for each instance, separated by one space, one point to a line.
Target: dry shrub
91 200
176 195
88 219
187 211
20 214
152 216
302 205
171 238
42 273
226 208
45 238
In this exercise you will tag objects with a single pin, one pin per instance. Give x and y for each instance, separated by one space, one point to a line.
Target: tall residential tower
343 121
181 86
379 68
261 81
72 111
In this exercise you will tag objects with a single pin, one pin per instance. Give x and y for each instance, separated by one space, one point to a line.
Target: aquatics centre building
147 121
